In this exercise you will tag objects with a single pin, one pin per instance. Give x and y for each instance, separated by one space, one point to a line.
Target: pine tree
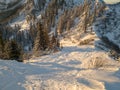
12 50
54 44
38 40
46 39
1 43
1 46
42 42
39 43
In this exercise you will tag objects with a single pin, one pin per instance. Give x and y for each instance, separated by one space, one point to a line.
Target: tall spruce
12 50
39 40
1 46
46 38
1 43
42 40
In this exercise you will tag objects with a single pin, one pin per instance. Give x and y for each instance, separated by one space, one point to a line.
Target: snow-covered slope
9 7
23 19
108 28
59 72
8 1
73 68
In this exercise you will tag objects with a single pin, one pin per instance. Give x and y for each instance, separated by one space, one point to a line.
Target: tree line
16 44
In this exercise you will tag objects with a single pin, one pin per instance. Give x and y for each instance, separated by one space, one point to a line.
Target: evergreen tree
12 50
55 43
38 41
42 40
1 43
46 39
1 46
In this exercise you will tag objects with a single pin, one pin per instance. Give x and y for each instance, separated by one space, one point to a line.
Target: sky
111 1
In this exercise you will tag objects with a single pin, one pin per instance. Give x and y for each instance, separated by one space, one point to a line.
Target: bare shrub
114 54
86 42
96 62
26 56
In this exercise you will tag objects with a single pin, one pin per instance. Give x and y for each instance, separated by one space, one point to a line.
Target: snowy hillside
19 18
10 9
57 45
108 27
74 68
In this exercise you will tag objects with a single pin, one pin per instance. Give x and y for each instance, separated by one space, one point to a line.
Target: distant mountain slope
21 17
9 8
108 28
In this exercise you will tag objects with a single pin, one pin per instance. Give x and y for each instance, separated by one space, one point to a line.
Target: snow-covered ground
73 68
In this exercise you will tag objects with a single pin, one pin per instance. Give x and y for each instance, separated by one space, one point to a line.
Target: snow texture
73 68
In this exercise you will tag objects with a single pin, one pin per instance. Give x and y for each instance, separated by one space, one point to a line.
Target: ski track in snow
65 70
